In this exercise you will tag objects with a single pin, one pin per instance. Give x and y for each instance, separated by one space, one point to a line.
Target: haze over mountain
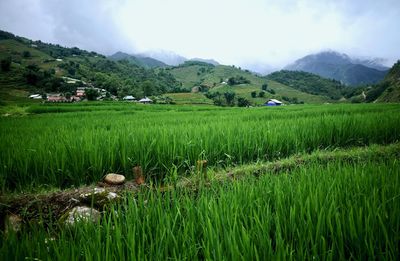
143 61
167 57
341 67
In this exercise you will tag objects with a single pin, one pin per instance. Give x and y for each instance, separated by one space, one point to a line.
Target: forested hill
389 89
146 62
309 83
37 66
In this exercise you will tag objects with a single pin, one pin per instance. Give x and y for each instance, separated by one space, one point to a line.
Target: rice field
309 182
333 212
70 145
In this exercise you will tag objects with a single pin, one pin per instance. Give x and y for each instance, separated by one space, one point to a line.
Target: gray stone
100 196
82 214
114 179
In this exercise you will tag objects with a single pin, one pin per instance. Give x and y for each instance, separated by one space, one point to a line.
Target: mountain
259 67
309 83
167 57
210 61
213 81
340 67
34 66
145 62
389 89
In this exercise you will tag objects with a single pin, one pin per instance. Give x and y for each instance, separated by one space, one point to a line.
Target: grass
192 76
80 143
340 211
189 98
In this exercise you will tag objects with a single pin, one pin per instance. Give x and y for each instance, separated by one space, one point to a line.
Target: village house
273 102
145 100
129 98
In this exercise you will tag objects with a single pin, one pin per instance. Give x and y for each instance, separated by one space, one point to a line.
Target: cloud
233 32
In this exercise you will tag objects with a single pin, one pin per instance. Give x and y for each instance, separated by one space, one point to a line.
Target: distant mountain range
341 67
146 62
166 59
209 61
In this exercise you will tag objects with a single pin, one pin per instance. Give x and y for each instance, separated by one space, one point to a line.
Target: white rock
95 191
82 214
112 195
114 179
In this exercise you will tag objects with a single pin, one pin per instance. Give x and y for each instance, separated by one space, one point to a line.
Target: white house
35 96
129 98
145 100
273 102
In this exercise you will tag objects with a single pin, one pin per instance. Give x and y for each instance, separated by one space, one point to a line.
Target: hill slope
309 83
212 79
142 61
389 89
35 66
340 67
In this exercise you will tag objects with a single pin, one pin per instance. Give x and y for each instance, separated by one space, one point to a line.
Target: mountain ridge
341 67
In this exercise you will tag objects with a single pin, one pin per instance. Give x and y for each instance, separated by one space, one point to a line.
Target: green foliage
91 94
118 78
26 54
5 64
309 83
389 89
243 102
261 94
253 94
264 87
237 80
376 91
230 98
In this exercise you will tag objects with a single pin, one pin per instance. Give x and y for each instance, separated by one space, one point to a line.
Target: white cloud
232 32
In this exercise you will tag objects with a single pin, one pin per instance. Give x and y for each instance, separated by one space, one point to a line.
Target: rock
82 214
13 223
99 196
114 179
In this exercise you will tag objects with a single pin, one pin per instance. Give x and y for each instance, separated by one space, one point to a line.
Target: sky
241 32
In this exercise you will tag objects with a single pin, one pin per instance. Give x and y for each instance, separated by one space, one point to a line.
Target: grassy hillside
215 79
309 83
391 85
34 66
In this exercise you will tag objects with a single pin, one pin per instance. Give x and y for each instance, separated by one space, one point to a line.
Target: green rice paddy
338 203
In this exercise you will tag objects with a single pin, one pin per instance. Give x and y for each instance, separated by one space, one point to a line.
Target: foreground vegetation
83 142
337 211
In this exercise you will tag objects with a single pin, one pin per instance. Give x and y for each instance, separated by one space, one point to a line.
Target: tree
26 54
253 94
264 87
91 94
148 88
243 102
68 95
6 64
229 97
261 94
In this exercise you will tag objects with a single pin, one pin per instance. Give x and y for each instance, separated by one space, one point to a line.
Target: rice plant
340 211
83 142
